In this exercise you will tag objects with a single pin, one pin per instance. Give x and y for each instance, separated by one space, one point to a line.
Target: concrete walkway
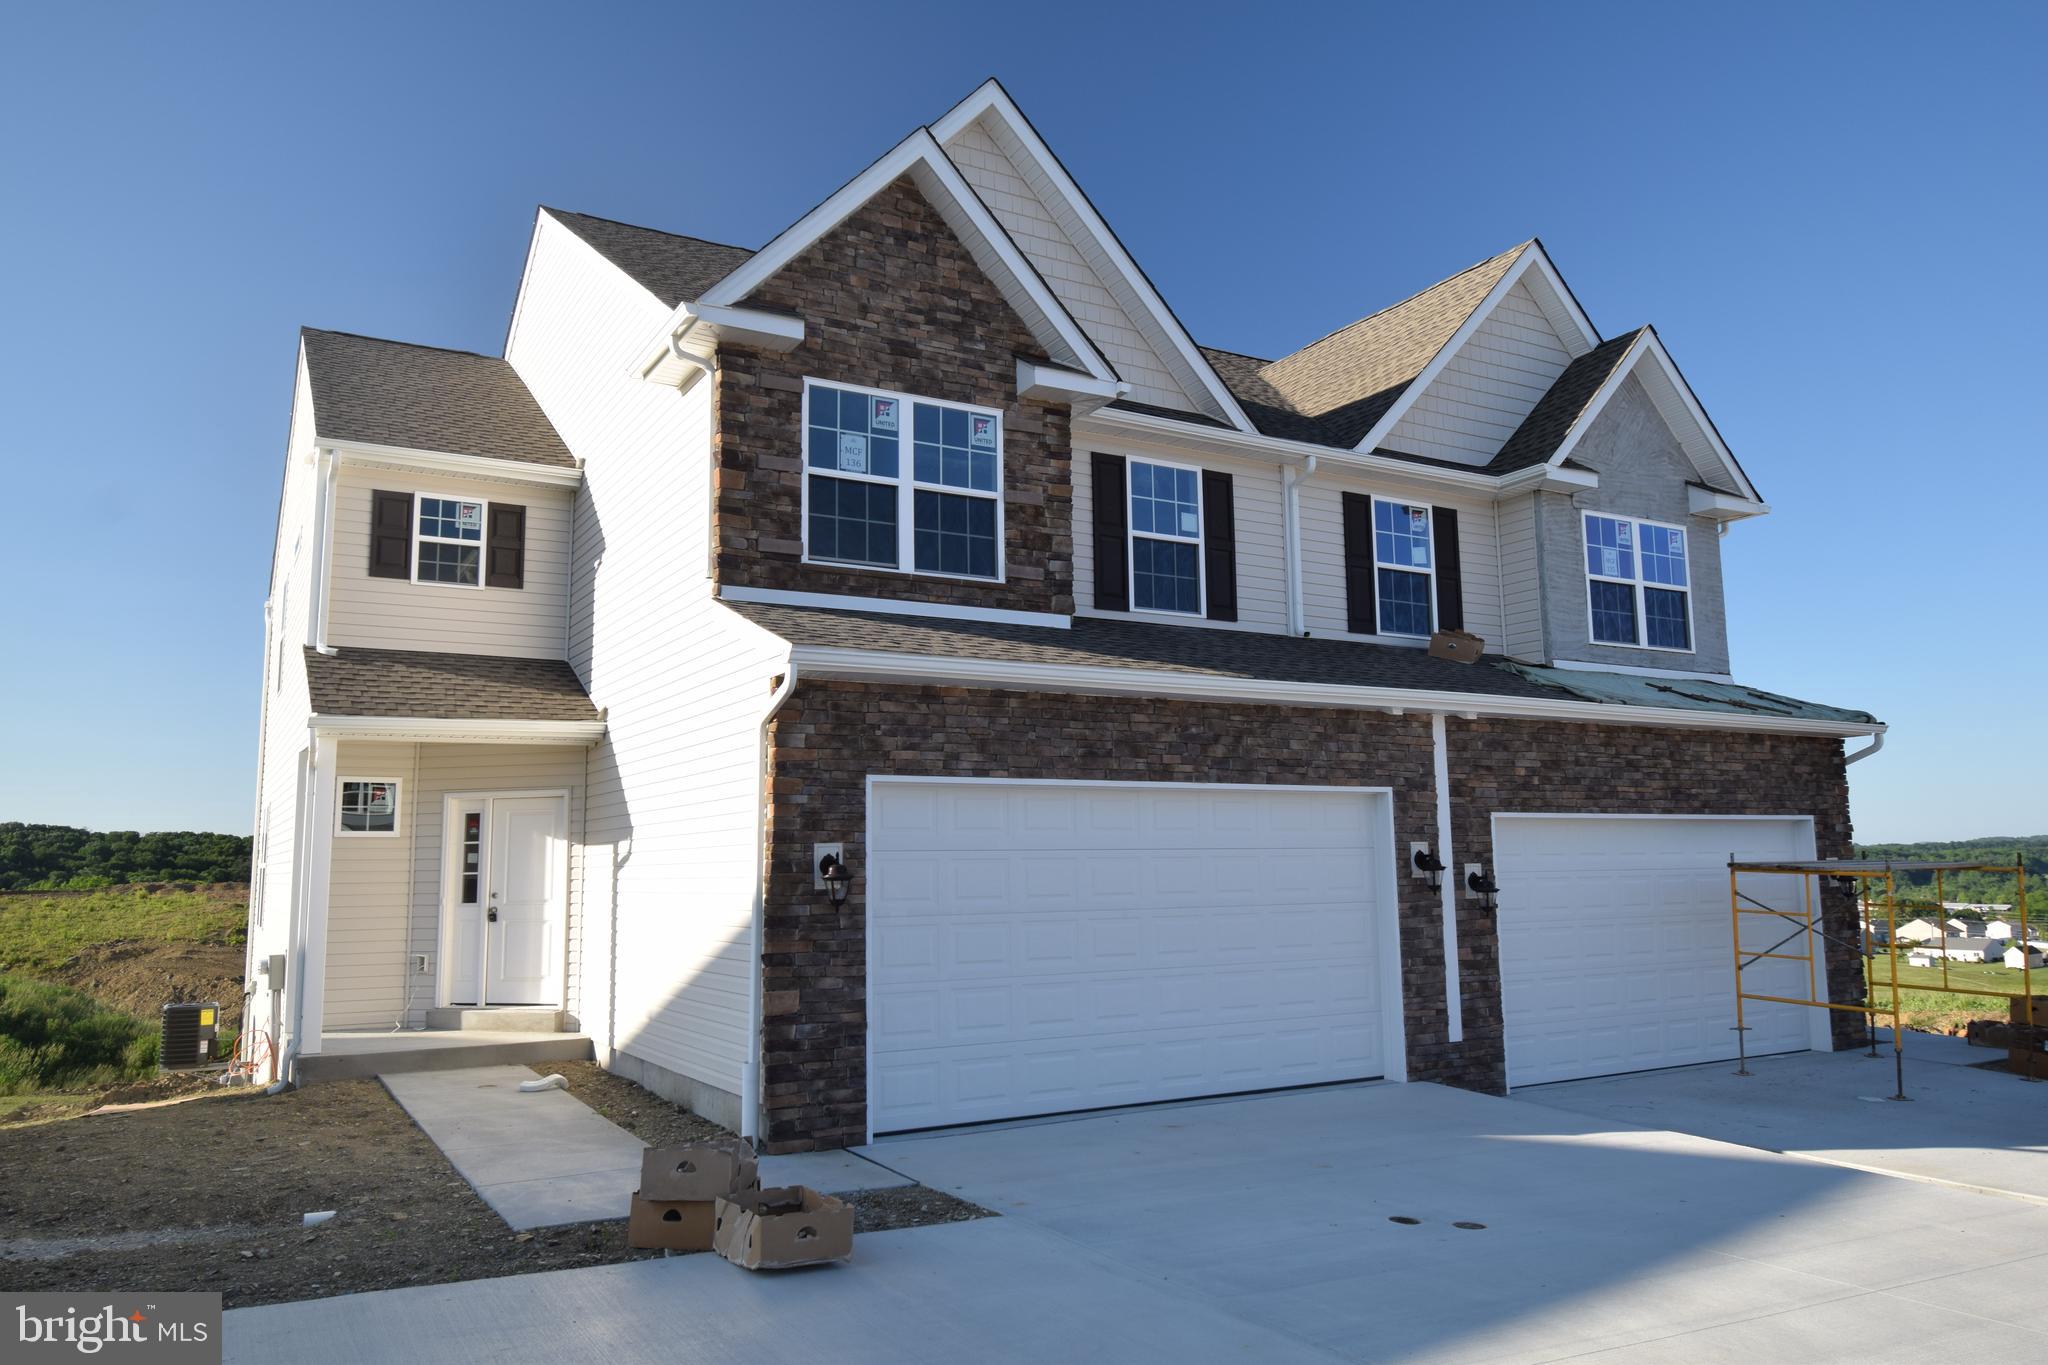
992 1290
548 1158
1960 1126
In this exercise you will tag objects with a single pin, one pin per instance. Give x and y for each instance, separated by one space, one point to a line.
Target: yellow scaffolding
1866 877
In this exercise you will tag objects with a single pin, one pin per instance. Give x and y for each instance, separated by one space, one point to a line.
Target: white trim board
919 154
414 729
1677 405
892 606
359 454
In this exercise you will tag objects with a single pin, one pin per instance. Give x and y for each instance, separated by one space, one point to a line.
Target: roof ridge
305 330
1241 355
1517 249
642 227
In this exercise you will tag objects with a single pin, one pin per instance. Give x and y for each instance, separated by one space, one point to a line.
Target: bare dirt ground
209 1195
139 978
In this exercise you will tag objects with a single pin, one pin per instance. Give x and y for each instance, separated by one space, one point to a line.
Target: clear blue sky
1831 212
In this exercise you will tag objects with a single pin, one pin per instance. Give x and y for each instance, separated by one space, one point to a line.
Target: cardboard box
698 1170
1456 645
671 1224
779 1228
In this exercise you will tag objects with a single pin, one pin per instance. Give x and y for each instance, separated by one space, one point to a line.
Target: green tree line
1980 887
60 858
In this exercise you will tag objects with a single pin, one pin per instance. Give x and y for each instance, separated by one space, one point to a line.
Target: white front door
507 900
1038 947
1617 951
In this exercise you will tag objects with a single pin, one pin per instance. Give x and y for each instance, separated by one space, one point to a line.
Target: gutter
872 665
750 1070
1876 743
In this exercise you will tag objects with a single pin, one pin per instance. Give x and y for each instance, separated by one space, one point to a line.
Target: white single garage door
1035 948
1616 950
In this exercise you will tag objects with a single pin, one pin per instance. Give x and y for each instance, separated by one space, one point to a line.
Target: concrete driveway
1262 1230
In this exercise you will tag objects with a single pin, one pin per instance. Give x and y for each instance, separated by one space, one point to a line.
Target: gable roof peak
675 268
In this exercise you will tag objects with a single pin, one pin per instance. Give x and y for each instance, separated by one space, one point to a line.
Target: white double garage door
1039 948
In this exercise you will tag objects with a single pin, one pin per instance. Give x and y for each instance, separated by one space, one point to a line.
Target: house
1963 950
1960 928
2017 957
896 677
1919 931
2002 928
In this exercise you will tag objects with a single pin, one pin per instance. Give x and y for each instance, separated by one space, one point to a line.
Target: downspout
323 517
1290 519
1876 743
256 849
696 362
750 1070
1454 992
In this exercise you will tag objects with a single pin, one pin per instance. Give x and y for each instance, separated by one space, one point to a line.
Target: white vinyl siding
671 846
1324 604
1482 394
374 925
1020 201
392 613
1261 554
1521 579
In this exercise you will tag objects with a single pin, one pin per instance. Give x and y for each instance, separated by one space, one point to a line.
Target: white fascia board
1123 424
1648 348
1548 478
1534 261
362 454
700 328
892 606
880 665
417 730
991 97
1715 505
917 150
1057 382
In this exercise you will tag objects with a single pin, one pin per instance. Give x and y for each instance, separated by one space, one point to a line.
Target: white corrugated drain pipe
750 1070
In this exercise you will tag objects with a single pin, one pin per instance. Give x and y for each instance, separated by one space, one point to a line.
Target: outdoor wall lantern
1481 885
1430 866
832 871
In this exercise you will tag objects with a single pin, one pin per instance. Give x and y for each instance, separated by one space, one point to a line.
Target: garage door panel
1616 949
1046 948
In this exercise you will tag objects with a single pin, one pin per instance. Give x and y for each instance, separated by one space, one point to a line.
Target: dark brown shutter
390 535
1219 545
505 547
1112 521
1450 579
1361 592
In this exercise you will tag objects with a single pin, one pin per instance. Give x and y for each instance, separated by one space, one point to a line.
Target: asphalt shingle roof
673 268
1561 406
393 393
1101 642
422 685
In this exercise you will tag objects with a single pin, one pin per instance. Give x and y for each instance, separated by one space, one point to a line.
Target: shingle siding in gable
890 299
1482 394
1643 473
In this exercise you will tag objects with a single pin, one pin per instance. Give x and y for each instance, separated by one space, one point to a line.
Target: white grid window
368 805
1638 584
448 541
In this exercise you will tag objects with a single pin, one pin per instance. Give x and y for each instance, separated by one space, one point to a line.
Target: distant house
1964 950
2017 957
1919 957
1919 931
1958 928
1978 908
2006 928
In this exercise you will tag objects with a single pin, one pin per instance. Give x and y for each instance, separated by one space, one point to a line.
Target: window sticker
1418 521
981 432
1419 555
379 800
1190 525
1610 560
853 453
883 417
1624 535
469 516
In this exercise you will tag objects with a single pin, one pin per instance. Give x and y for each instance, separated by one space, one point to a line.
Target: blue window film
1663 616
1164 576
1610 548
1614 613
853 523
441 563
1165 501
1401 534
946 451
1404 603
854 433
955 534
1663 556
442 517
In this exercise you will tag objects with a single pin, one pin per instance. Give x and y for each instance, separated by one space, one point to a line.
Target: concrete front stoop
497 1018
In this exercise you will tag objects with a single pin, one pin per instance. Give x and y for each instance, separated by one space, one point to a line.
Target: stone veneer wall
890 299
830 736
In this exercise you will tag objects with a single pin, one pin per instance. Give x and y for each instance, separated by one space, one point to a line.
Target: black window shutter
1361 593
505 547
1219 545
1450 580
390 535
1112 521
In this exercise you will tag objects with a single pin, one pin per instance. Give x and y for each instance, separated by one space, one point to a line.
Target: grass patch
41 931
1928 1008
55 1038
